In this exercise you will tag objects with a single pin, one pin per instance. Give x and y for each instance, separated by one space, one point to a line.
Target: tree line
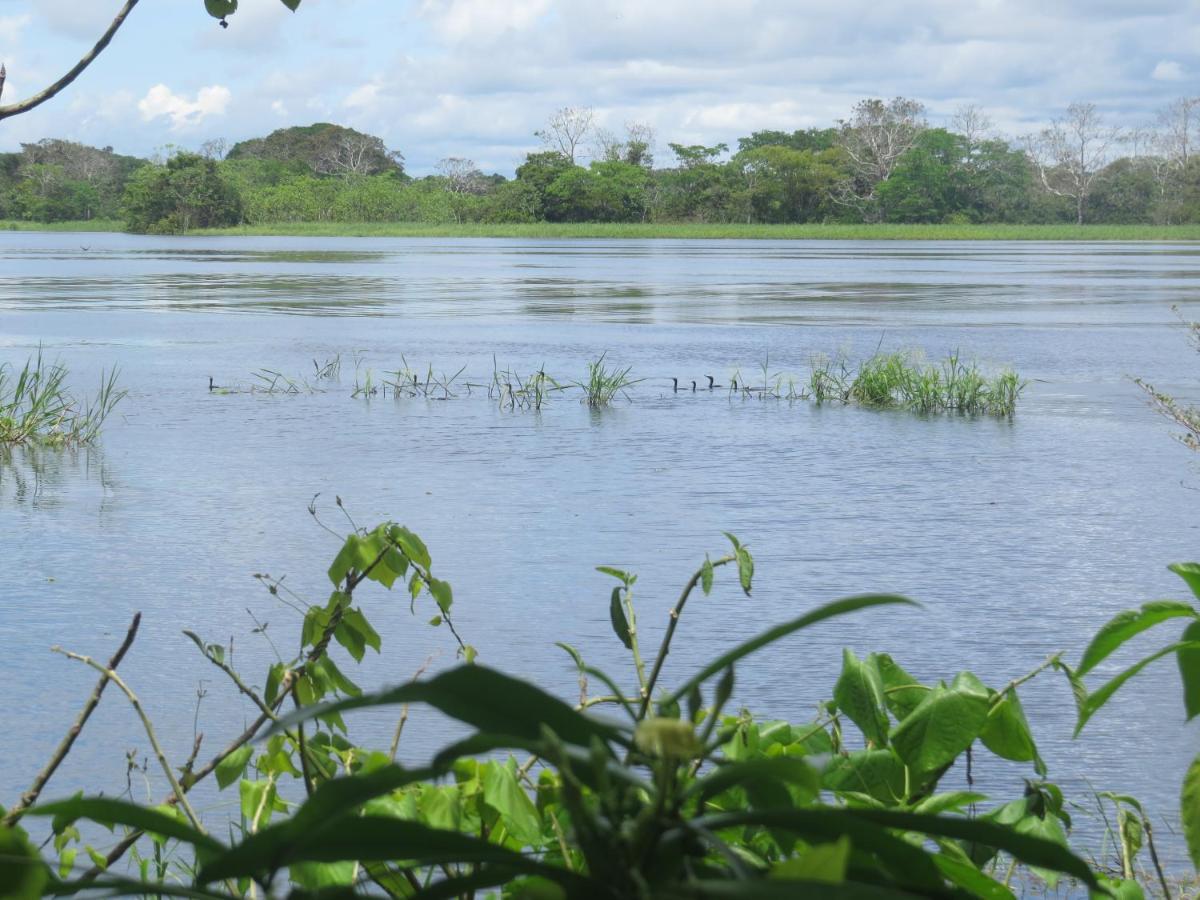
883 163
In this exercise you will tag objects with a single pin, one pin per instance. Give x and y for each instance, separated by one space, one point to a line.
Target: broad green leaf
274 679
1090 702
1006 732
23 874
442 594
616 614
256 799
821 862
878 774
745 564
859 696
488 700
941 728
901 691
293 5
411 545
1189 572
771 635
706 576
787 770
366 839
315 876
219 9
1125 625
503 794
964 873
355 620
348 637
118 812
951 801
1188 659
1189 810
230 769
619 574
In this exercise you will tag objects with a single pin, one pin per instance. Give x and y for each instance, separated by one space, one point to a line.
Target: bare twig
157 747
404 711
15 109
31 795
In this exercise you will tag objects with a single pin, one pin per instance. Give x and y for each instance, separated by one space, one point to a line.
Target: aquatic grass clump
37 407
604 384
901 380
514 391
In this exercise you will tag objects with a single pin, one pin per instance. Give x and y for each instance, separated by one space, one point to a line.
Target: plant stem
30 796
672 624
158 750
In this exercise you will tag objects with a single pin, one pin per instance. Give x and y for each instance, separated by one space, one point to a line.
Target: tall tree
874 139
1072 153
566 130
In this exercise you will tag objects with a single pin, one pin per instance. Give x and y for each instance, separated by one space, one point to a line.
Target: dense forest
884 163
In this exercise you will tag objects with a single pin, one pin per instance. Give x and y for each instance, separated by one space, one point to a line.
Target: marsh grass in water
605 384
37 407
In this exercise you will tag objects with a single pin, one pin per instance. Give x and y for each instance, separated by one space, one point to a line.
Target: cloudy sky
475 78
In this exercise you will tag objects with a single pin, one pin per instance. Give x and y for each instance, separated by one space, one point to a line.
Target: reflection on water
1019 537
40 477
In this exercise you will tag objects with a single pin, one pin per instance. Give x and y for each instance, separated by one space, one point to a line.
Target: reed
37 407
605 384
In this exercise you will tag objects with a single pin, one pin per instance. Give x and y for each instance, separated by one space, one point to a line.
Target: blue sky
475 78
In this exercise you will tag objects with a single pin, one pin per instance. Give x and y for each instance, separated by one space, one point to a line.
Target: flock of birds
712 385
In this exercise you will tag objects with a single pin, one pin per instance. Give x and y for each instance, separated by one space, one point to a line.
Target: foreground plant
672 795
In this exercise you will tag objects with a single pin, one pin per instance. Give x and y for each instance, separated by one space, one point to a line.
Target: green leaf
314 876
901 691
117 812
1006 732
293 5
366 839
951 801
1189 811
822 862
878 774
706 576
620 625
488 700
965 874
442 594
256 799
1125 625
619 574
23 874
230 769
1189 572
941 728
355 620
502 793
771 635
274 679
411 545
783 770
1188 659
346 635
859 696
745 564
219 9
1089 703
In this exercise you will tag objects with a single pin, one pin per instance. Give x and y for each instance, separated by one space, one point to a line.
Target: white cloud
10 29
482 20
365 96
160 100
279 108
1167 70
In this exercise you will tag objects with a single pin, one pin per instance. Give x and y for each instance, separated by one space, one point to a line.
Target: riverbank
673 231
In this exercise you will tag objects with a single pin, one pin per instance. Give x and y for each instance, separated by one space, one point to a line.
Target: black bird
84 249
693 387
711 385
211 387
675 384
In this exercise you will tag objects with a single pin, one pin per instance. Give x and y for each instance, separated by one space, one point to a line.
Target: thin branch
31 795
15 109
404 711
158 750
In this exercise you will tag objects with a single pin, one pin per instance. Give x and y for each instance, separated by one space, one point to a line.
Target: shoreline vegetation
665 231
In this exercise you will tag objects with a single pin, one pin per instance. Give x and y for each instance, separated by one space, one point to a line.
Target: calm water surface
1019 537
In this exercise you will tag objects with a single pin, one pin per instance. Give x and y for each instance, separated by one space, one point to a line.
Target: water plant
36 405
511 390
604 384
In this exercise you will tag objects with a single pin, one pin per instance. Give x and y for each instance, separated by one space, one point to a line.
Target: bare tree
636 149
874 138
1071 154
214 148
1139 139
566 130
462 175
1178 122
973 125
349 152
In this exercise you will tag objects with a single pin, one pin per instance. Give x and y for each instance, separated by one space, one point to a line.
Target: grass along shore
672 231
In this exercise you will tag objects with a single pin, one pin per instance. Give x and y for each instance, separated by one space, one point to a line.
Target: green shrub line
670 793
670 231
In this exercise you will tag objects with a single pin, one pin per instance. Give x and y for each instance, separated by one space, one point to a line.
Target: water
1019 537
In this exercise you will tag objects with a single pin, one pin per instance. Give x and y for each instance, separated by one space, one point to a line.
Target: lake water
1019 537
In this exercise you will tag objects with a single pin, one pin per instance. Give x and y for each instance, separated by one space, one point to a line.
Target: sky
477 78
